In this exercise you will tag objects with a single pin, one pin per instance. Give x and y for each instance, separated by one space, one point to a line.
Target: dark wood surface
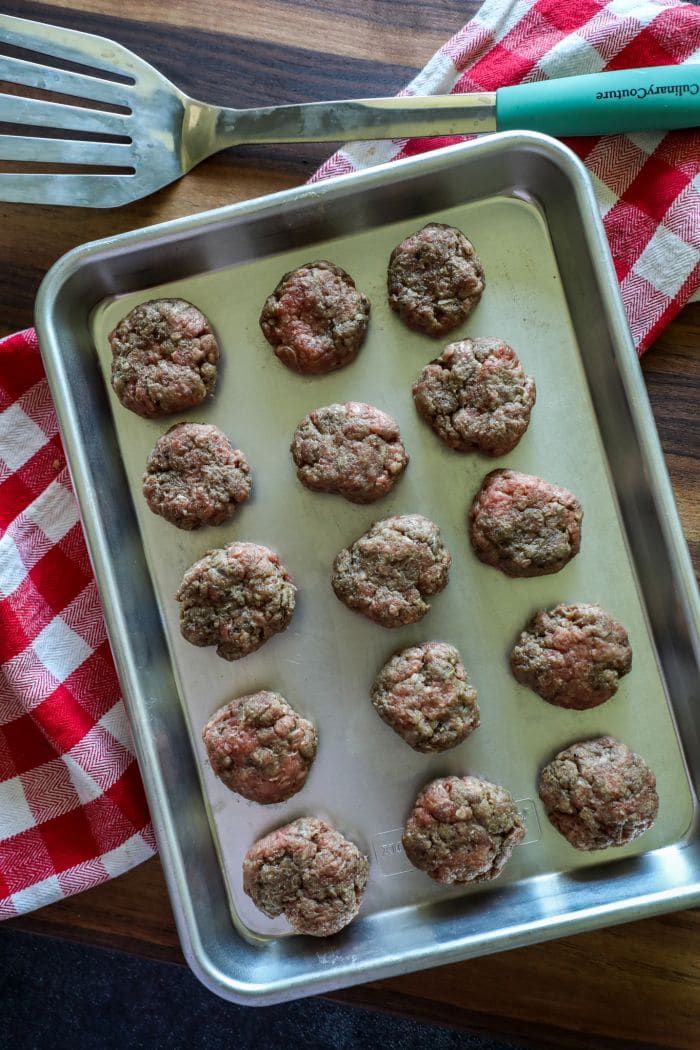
636 985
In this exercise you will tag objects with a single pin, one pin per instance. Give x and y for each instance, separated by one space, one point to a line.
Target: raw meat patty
572 655
316 320
435 279
194 476
423 693
164 358
235 598
260 747
599 794
354 450
388 572
476 396
462 829
523 525
308 872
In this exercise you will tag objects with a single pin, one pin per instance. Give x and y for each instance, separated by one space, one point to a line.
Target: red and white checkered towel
72 811
72 808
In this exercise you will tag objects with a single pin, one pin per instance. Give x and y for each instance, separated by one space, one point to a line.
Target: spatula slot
67 98
66 134
46 58
40 168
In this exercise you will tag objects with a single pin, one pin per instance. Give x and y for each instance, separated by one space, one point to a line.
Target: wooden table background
636 985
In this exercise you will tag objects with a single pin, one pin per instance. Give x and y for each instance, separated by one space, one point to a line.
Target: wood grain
350 36
636 985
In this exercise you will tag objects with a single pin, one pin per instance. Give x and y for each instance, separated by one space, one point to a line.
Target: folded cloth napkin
72 811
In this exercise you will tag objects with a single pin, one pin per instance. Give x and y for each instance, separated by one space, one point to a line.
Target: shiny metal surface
165 133
365 777
552 292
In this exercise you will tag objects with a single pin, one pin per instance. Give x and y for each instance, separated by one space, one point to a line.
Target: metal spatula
129 131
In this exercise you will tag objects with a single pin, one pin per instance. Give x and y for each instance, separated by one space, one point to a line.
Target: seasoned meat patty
523 525
388 572
572 655
476 396
316 320
308 872
194 476
235 598
353 449
164 358
435 279
598 794
424 694
260 747
462 829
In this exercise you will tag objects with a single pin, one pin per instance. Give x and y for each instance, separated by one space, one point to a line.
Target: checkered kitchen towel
72 812
72 809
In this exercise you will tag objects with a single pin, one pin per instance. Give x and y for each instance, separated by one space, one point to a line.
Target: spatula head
84 121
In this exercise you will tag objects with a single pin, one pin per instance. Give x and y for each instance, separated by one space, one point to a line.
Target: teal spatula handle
658 98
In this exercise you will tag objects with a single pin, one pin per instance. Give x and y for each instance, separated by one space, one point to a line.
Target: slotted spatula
132 131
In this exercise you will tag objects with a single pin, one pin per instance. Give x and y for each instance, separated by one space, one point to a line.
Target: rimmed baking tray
526 202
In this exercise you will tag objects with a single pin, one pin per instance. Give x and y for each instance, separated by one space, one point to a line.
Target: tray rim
185 912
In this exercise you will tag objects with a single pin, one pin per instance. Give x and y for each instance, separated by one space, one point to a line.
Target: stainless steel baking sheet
365 777
527 207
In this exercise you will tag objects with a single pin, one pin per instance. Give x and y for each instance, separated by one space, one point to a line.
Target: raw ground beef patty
235 598
435 279
598 794
164 358
354 450
524 525
308 872
388 572
194 476
423 693
476 396
260 747
572 655
315 320
462 829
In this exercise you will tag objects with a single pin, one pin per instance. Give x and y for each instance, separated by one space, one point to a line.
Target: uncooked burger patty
235 598
353 449
598 794
523 525
388 572
316 320
260 747
164 358
572 655
435 279
462 829
308 872
476 396
194 476
424 694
